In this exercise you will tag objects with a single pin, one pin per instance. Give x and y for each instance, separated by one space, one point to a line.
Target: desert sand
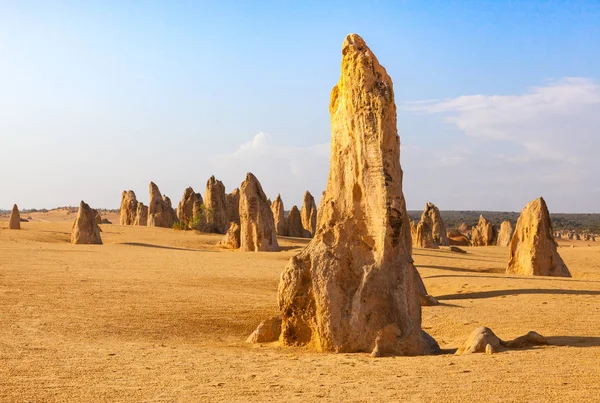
161 315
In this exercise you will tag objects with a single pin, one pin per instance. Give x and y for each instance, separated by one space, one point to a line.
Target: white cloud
289 170
517 147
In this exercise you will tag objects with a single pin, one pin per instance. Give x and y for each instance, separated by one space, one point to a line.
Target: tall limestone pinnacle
354 287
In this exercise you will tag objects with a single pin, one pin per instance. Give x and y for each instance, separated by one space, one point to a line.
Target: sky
498 101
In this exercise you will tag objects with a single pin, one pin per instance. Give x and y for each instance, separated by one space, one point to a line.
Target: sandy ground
160 315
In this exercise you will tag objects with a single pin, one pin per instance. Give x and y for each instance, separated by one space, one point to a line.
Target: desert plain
160 315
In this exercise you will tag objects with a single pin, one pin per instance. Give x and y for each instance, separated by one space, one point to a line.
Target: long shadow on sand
500 275
460 269
148 245
501 293
458 256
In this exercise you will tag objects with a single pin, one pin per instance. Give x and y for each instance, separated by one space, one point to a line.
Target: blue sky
498 101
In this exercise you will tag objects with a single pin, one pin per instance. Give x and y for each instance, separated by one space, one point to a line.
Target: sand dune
161 315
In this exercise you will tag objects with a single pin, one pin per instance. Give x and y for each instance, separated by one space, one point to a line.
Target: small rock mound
457 238
532 248
257 225
231 239
14 221
483 340
267 331
85 230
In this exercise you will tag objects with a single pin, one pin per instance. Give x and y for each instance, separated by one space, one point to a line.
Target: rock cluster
354 287
257 227
141 215
432 217
160 210
423 237
231 239
232 200
532 248
483 233
128 207
185 208
85 230
14 221
214 201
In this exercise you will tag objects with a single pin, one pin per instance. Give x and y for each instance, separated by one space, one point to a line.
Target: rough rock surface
268 331
97 217
505 234
309 214
354 287
214 200
279 216
483 340
232 200
160 210
423 237
482 234
128 207
532 248
185 208
85 230
294 226
256 218
457 238
141 215
432 217
231 239
14 221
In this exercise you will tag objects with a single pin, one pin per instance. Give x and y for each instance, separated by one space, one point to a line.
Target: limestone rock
532 248
97 216
483 340
424 237
267 331
15 218
457 238
160 210
232 200
231 239
106 221
294 226
185 208
309 214
141 215
128 207
432 217
214 200
354 287
456 249
505 234
482 234
85 230
256 218
279 216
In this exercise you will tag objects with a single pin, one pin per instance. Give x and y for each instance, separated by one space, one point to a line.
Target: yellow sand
162 315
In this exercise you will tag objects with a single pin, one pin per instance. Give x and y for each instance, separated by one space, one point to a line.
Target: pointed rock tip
354 42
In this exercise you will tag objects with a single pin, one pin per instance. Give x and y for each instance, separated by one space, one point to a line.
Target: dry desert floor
159 315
